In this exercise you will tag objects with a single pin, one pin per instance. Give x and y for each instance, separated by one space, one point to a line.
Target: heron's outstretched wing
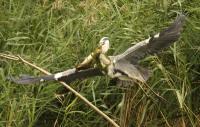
153 44
67 76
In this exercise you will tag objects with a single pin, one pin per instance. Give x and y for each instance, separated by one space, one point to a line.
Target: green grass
57 35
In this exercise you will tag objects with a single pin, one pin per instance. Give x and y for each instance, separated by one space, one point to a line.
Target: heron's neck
105 47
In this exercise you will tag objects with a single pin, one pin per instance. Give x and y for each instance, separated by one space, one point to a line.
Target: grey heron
123 66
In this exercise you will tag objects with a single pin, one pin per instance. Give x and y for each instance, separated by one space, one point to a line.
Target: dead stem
19 58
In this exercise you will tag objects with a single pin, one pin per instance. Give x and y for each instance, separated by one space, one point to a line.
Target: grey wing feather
167 36
155 43
26 79
135 72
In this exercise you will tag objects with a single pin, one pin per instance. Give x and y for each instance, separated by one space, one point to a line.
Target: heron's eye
102 43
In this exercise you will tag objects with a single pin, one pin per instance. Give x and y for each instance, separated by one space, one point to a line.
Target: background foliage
57 34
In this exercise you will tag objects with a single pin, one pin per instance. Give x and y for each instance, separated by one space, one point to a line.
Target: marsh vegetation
58 34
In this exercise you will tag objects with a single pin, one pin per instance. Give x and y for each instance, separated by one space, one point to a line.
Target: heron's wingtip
23 79
13 80
181 18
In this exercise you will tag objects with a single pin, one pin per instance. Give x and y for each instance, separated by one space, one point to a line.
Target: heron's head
104 44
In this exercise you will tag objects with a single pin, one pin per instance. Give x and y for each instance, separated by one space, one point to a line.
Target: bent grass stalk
19 58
